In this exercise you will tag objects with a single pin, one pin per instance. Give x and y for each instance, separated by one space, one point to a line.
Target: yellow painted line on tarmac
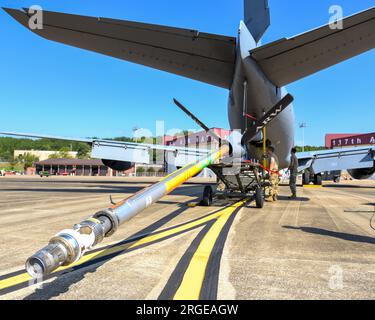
192 282
312 186
193 204
10 282
24 277
168 233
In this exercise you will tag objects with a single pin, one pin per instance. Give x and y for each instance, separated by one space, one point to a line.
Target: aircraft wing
128 151
288 60
201 56
336 159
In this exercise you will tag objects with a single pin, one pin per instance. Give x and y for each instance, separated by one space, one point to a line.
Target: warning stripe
191 285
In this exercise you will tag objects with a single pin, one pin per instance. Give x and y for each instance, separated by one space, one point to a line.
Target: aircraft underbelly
261 96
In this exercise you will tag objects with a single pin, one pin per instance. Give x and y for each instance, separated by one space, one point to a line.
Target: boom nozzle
63 249
67 247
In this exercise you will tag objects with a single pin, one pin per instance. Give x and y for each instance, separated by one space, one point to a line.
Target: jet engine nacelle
118 165
362 174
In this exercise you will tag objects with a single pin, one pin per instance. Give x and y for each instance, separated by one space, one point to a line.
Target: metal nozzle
46 260
35 267
68 246
63 249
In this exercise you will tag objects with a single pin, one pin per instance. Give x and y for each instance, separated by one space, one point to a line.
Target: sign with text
366 139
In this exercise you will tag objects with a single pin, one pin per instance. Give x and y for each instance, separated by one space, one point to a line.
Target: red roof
70 162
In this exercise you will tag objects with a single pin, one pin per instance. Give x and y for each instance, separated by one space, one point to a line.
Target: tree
27 160
54 156
5 155
8 145
151 170
13 164
83 151
310 148
62 154
140 170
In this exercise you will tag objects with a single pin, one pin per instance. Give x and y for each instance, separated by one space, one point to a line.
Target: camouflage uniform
272 191
274 188
293 174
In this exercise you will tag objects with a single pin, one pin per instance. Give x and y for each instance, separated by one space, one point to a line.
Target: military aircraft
254 74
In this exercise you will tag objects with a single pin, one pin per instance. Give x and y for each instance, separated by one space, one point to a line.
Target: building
40 154
77 167
352 140
332 136
361 140
199 140
196 140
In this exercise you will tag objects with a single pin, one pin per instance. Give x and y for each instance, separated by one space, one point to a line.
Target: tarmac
320 246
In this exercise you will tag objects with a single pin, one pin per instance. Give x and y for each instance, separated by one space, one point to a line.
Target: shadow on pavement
286 198
334 234
102 189
347 186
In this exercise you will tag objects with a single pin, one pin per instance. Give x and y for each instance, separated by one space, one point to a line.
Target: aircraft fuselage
261 95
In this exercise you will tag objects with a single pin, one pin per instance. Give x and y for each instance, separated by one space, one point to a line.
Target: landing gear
259 198
207 196
318 179
306 178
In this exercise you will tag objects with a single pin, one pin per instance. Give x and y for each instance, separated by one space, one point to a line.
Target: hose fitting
106 215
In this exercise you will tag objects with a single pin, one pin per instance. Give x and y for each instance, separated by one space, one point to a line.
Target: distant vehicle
44 174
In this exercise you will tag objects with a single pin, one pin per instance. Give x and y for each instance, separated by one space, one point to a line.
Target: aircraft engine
118 165
362 174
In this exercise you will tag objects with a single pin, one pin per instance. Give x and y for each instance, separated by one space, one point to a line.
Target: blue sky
50 88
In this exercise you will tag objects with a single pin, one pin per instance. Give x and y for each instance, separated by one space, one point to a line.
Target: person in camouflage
293 169
272 191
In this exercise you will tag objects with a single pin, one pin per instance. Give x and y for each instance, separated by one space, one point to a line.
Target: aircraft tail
257 17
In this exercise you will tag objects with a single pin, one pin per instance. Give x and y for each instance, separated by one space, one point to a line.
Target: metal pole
303 126
264 147
68 246
303 139
245 104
